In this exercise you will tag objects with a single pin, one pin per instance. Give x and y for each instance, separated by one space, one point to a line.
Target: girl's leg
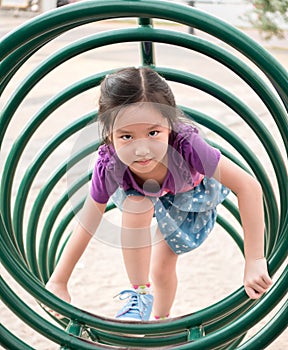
136 239
164 277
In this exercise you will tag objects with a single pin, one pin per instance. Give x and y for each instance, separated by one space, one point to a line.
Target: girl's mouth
144 162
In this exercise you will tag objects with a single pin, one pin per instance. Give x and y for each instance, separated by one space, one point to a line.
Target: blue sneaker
137 308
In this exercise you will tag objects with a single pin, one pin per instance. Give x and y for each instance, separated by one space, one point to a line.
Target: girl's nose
141 150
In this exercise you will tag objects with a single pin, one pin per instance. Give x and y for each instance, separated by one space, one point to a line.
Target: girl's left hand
256 278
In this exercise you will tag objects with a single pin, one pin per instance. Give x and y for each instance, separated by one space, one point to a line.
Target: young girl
154 163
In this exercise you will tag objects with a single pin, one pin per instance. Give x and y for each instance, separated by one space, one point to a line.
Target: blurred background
269 17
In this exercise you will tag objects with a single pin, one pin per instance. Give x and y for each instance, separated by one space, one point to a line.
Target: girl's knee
138 205
137 212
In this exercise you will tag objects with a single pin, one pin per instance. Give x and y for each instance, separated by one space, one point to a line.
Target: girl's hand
61 291
256 278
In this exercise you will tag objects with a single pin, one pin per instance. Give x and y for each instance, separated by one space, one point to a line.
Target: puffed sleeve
200 156
103 183
98 190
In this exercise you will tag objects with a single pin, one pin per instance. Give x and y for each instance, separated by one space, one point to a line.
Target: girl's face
140 137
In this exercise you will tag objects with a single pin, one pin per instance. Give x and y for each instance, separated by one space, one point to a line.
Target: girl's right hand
61 291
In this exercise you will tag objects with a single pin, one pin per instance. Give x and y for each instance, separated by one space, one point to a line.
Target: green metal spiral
30 260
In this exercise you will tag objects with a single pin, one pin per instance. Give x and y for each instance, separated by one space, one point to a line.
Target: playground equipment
29 255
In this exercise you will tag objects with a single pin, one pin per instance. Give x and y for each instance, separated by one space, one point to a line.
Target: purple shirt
189 159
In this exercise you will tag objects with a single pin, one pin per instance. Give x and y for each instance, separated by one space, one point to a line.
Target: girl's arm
249 194
90 218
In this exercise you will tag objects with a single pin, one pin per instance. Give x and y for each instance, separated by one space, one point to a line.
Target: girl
154 163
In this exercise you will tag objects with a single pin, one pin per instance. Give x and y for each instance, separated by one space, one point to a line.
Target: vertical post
46 5
147 49
192 4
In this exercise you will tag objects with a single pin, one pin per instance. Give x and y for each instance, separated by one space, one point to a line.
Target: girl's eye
153 133
126 137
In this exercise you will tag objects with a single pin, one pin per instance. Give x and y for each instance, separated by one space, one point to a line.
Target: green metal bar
149 8
254 162
54 245
23 277
282 124
179 39
7 243
221 322
9 341
74 328
248 115
146 47
33 169
48 225
269 332
154 340
234 344
279 251
34 215
43 246
244 322
269 196
20 55
41 325
57 235
114 339
65 221
60 229
195 333
18 148
41 199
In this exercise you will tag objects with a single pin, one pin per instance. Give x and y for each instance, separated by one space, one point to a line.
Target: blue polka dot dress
184 219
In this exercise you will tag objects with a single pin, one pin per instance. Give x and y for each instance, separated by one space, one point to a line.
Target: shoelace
136 301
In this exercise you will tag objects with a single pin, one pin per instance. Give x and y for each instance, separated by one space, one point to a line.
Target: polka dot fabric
184 219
